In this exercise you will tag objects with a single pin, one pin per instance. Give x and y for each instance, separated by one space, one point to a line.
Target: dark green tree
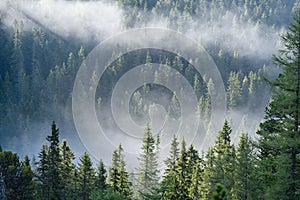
67 171
244 180
43 172
279 135
54 159
101 176
219 192
86 175
17 176
26 185
223 160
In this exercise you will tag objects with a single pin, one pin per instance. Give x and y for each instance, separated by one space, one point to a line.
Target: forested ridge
249 159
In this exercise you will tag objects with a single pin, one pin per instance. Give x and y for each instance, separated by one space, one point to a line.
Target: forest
255 45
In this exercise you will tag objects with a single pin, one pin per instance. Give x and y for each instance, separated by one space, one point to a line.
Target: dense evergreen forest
256 47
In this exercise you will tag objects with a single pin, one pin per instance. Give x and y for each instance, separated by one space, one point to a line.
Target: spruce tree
169 183
244 186
67 171
196 179
17 177
148 164
182 174
43 172
279 134
26 185
54 177
101 176
86 176
223 165
118 176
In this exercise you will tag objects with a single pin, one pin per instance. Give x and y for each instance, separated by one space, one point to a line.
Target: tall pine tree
279 140
118 176
148 164
54 159
86 176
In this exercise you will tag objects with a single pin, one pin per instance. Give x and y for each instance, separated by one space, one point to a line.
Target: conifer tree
54 162
279 134
101 176
17 176
223 165
26 185
169 183
196 179
244 186
148 164
67 171
182 175
86 174
118 176
43 172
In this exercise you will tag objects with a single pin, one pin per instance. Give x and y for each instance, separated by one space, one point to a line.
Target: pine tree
279 135
118 176
182 174
148 164
169 183
86 176
114 175
9 164
67 171
208 169
223 164
101 176
195 186
26 185
170 162
234 90
17 176
244 187
43 171
54 177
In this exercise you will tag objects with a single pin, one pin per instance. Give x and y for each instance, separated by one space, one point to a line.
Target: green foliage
219 192
86 176
220 162
17 176
245 171
54 180
118 176
148 163
36 79
101 176
67 171
279 134
107 194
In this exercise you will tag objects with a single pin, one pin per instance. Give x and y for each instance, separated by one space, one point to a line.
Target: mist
69 19
98 20
255 41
